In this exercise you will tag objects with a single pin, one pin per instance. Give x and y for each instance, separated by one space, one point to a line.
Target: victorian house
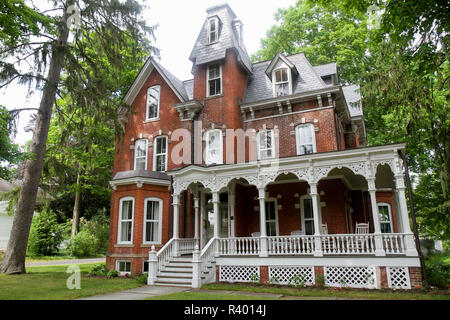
255 171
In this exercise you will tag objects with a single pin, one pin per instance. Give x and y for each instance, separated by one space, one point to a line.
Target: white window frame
208 159
147 118
384 204
297 137
208 79
274 200
146 153
216 32
155 148
159 221
121 221
260 148
302 212
275 83
122 273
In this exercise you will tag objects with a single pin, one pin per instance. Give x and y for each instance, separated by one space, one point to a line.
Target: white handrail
239 246
165 254
299 244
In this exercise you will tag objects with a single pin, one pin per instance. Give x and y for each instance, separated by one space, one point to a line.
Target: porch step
166 274
177 269
184 280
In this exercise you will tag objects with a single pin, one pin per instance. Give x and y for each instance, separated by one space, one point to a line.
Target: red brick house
255 171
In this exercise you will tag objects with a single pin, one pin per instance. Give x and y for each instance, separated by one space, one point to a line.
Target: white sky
179 25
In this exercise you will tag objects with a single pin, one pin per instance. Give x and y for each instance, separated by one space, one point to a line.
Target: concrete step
181 259
166 274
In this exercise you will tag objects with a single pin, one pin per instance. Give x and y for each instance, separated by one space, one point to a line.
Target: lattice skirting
290 274
239 273
354 277
398 277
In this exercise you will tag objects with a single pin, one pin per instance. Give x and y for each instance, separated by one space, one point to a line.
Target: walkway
64 262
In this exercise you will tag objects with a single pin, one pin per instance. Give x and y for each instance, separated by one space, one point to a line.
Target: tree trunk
76 208
14 260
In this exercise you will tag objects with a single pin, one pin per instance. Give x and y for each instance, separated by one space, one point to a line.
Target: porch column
215 202
409 237
379 249
196 217
176 207
231 206
262 222
317 239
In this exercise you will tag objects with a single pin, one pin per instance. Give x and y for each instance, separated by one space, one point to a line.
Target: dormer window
213 30
281 82
214 79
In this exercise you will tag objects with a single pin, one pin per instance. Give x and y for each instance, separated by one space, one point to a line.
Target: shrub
98 227
45 234
99 270
112 274
142 278
438 271
320 280
82 245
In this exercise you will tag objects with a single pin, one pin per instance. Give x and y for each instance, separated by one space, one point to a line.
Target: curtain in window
126 221
152 221
140 154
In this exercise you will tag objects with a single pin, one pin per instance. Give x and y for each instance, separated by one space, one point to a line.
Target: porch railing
331 244
238 246
186 246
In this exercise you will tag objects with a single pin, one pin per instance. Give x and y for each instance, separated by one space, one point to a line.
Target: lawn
49 283
205 296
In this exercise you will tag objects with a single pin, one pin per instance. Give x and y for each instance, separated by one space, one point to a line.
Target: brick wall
415 276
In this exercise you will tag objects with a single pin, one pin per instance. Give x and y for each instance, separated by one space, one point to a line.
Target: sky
179 23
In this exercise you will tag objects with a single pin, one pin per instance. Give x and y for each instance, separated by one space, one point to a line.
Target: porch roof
362 161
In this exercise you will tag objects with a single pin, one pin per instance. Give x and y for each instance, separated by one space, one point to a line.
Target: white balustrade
348 244
239 246
186 246
394 243
290 245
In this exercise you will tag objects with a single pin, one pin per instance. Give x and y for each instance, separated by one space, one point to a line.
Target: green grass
49 283
204 296
330 292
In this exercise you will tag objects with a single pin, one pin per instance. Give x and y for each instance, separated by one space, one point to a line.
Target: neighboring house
5 220
302 196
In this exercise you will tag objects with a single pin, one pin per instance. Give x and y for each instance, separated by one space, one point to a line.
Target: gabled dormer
281 72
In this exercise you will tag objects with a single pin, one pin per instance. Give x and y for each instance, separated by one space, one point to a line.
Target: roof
141 174
202 52
326 69
353 97
260 86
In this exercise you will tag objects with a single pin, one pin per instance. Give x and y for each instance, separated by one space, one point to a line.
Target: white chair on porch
298 233
361 229
256 234
323 228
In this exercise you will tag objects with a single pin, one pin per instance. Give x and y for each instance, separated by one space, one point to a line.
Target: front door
307 215
223 220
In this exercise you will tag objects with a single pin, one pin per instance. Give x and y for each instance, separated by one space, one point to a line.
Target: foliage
12 196
45 234
320 280
254 278
99 270
112 274
9 152
438 269
298 281
142 278
82 245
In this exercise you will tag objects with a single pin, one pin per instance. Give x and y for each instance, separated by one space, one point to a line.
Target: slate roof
260 86
326 69
189 87
141 174
353 97
204 53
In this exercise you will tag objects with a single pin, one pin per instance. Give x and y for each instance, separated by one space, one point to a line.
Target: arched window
153 97
213 152
213 30
305 139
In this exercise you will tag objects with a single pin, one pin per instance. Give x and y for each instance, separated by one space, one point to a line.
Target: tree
9 152
114 23
325 35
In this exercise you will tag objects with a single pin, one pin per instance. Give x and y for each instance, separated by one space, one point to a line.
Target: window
213 30
152 220
213 147
271 218
153 102
281 82
385 217
160 154
140 154
265 144
307 215
214 74
124 267
145 267
126 211
305 138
